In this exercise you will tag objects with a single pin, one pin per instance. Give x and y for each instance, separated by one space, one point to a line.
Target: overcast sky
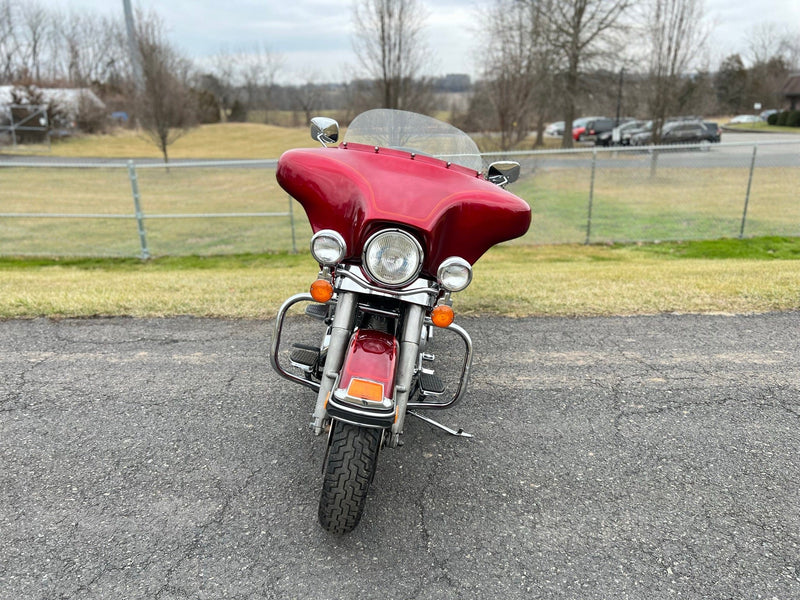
314 36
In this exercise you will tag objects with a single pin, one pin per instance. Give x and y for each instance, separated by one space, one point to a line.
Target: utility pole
133 46
619 94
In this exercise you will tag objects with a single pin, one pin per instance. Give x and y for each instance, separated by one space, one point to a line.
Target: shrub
238 113
207 106
91 118
793 120
772 119
782 118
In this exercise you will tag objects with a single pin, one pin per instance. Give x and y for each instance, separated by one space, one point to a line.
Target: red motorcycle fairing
365 390
355 189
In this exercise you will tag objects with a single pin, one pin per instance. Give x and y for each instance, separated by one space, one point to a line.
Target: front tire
348 471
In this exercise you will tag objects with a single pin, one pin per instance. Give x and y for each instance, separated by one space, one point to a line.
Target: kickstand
459 433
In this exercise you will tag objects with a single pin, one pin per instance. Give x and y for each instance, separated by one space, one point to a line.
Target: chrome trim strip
341 395
420 291
359 423
366 308
366 412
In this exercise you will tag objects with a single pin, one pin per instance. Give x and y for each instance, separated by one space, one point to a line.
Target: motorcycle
400 211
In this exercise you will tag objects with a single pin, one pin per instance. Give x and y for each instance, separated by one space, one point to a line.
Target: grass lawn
727 276
217 141
676 204
761 127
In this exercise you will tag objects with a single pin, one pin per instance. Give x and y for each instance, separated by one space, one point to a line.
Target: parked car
555 129
677 132
579 126
745 119
597 127
646 127
765 114
619 135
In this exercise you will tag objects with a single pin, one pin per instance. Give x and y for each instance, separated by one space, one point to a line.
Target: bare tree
9 42
88 48
36 28
582 31
773 54
518 68
767 41
165 105
246 77
307 96
221 81
390 47
676 34
258 69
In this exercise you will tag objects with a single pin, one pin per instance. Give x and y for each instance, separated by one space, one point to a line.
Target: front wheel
348 472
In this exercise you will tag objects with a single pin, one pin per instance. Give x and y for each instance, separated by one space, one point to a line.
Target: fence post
591 198
291 222
138 208
653 162
749 186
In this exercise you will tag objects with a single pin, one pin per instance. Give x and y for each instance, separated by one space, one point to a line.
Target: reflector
365 390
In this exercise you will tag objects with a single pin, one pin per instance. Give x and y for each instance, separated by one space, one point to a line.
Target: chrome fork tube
341 330
407 363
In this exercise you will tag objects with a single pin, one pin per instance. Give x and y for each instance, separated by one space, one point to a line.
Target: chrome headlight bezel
454 274
328 247
414 252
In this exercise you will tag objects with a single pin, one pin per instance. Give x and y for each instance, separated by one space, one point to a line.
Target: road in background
645 457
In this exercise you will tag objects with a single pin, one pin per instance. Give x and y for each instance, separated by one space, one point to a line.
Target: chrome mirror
324 130
503 172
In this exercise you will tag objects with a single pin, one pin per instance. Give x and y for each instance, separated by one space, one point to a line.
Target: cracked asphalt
643 457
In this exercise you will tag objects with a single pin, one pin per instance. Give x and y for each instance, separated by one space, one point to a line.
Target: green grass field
628 205
677 204
727 276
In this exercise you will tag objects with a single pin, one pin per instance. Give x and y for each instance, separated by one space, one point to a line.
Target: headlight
454 274
392 257
328 247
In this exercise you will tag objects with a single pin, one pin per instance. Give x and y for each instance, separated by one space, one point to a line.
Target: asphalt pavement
629 457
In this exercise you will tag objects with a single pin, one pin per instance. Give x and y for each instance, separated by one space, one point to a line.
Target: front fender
364 391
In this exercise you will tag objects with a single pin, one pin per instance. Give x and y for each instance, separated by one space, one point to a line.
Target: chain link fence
144 208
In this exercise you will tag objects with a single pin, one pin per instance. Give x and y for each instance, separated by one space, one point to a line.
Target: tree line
542 60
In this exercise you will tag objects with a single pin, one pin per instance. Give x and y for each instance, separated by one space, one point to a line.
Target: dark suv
678 132
714 131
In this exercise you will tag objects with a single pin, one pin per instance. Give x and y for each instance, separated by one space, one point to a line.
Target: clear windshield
416 133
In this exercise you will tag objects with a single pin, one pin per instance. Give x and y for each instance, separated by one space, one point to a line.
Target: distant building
791 91
69 100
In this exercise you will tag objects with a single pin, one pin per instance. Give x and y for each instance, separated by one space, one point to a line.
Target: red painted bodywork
356 190
371 356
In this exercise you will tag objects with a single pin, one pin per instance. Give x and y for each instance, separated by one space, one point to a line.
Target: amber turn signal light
321 290
442 315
